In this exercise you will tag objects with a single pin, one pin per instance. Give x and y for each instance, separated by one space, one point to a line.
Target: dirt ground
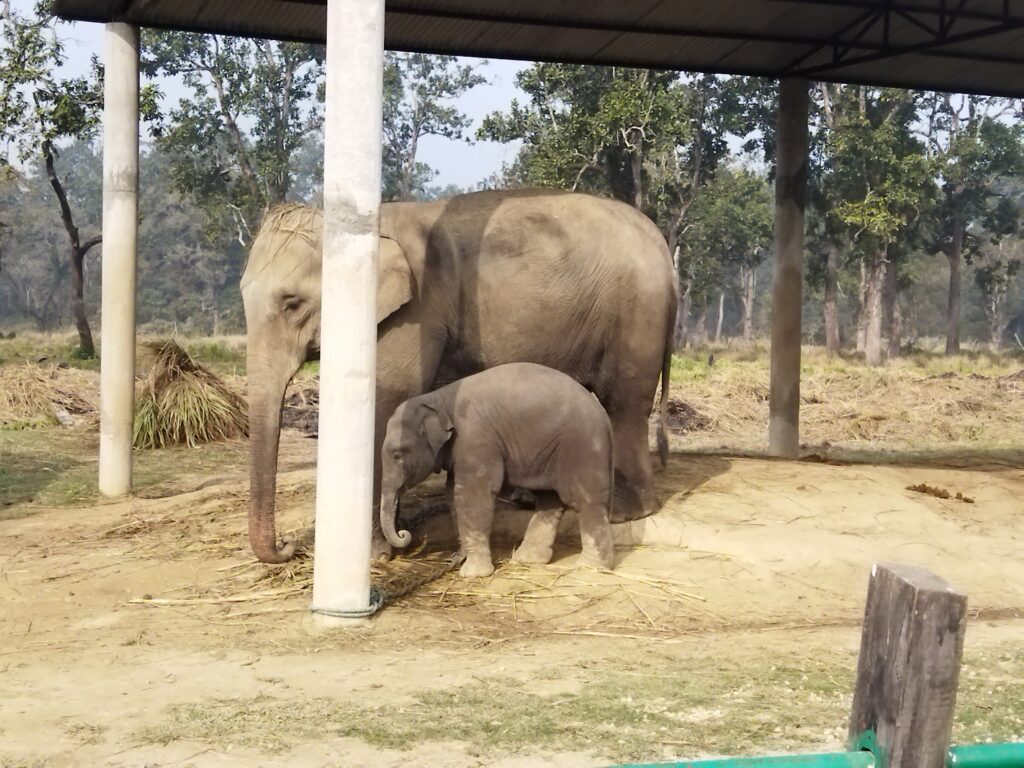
142 633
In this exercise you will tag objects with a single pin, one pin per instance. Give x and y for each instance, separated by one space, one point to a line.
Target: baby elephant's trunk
388 512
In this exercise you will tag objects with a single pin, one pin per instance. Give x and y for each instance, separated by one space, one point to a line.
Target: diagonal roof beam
915 8
933 46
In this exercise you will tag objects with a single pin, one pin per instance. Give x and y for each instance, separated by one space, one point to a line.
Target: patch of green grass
28 346
637 711
221 356
628 714
52 467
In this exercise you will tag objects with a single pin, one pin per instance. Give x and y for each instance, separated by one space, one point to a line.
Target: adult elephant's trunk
266 396
388 512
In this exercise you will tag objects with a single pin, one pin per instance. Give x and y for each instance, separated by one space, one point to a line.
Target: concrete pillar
348 343
787 285
120 241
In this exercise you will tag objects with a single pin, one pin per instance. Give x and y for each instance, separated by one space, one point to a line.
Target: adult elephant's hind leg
634 481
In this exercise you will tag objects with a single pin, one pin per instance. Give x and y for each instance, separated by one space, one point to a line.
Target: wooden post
787 284
348 313
909 665
120 242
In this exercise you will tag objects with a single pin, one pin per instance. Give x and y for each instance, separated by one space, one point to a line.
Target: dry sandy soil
141 633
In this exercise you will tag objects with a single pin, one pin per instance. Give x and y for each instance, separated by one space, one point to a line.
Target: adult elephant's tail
666 376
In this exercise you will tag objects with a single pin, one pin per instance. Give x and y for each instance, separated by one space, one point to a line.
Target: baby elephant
518 424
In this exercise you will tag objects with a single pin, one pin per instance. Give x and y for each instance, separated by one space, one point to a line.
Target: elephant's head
413 448
281 293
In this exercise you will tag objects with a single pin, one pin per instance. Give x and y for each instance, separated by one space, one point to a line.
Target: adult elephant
578 283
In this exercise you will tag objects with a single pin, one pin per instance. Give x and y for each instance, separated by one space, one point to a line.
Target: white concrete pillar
348 340
787 284
120 242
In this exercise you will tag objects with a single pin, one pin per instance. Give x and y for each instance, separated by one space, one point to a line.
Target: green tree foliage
418 94
875 183
973 145
38 111
730 236
253 104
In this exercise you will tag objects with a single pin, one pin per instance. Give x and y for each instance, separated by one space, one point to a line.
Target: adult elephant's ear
394 278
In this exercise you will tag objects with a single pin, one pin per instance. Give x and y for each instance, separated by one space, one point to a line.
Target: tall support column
787 285
348 344
120 243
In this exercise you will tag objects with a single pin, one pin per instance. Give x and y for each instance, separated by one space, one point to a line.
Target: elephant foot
538 555
597 562
380 550
476 568
629 505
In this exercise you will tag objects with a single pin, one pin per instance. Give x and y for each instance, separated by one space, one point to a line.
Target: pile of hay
182 403
33 395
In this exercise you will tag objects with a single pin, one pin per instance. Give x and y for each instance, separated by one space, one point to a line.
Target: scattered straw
35 395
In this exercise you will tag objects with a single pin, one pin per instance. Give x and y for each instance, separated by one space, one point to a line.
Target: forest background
915 225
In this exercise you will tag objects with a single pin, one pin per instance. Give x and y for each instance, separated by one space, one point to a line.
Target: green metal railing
975 756
987 756
833 760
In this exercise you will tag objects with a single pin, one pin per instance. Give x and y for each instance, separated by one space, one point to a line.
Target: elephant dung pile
182 403
33 395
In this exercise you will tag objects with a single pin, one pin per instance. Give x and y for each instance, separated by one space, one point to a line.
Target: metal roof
952 45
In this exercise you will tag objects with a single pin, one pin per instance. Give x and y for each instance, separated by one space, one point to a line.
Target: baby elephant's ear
437 428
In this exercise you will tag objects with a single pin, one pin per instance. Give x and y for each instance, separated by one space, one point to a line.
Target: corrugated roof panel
748 36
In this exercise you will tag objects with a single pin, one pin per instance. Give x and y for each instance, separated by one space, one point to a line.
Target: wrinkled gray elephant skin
580 284
519 424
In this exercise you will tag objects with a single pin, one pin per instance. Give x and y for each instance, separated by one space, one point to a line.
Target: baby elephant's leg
596 534
474 513
539 542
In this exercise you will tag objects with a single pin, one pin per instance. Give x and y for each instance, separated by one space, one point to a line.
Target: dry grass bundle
182 403
32 395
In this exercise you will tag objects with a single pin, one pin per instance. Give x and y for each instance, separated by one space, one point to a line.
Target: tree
972 148
418 89
39 110
254 104
732 229
997 264
877 180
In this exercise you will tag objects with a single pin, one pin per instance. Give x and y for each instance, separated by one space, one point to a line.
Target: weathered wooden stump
909 666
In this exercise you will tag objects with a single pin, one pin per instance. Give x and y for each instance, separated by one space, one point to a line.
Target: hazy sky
457 162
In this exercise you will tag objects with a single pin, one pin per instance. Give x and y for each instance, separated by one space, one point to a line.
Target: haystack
182 403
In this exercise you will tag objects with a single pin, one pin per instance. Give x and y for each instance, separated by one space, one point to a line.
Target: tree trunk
682 332
891 312
830 307
874 287
862 314
636 165
749 284
699 337
994 313
721 317
954 254
78 252
85 343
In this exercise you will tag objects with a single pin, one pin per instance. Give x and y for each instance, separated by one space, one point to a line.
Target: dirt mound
683 417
